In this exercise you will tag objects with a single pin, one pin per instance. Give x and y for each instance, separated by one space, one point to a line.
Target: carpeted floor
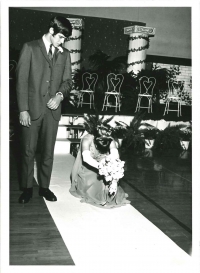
117 240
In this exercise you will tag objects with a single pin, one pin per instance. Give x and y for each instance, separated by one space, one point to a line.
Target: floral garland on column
76 38
76 50
77 26
138 49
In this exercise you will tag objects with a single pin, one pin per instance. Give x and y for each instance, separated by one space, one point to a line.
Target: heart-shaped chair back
174 87
89 81
114 82
147 85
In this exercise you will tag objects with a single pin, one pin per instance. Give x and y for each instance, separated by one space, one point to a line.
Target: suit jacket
38 77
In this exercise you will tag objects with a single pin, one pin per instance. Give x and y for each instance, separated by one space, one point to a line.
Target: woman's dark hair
61 25
102 144
101 130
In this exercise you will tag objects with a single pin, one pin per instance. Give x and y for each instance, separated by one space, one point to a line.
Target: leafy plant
185 136
77 78
150 133
129 91
120 130
162 75
92 122
100 62
134 139
167 141
74 98
185 133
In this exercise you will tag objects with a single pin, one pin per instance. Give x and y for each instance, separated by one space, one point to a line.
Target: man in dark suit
43 81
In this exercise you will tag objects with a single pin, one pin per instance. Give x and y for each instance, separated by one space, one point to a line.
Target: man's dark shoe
26 195
47 194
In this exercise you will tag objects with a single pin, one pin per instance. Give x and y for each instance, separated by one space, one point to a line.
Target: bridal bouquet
112 169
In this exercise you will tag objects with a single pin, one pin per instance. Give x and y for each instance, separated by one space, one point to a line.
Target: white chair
89 81
146 85
114 83
174 87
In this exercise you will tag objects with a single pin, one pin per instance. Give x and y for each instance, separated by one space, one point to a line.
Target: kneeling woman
87 184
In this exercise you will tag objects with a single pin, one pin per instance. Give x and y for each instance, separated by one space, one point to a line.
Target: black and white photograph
99 136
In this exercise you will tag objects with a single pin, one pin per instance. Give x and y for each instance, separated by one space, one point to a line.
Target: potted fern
167 141
150 134
119 132
185 135
134 138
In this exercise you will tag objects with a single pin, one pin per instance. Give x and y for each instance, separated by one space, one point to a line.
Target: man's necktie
50 54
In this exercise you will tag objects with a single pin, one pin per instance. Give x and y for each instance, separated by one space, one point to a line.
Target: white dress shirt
47 45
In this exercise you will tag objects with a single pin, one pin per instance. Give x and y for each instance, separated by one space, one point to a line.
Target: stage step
70 129
71 119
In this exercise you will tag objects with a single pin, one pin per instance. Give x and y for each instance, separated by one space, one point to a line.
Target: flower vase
149 143
184 155
185 144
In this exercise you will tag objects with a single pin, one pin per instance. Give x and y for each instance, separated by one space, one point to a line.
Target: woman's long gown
89 186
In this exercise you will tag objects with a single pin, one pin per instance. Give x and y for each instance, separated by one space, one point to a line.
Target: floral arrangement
112 169
60 49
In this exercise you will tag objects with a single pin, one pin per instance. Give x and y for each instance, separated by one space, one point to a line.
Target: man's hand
54 102
25 119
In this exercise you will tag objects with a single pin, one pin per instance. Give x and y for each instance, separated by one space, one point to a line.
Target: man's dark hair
61 25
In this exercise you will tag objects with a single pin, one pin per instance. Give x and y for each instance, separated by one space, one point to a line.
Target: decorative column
138 44
74 43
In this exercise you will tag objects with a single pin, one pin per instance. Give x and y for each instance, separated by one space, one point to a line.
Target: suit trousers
44 131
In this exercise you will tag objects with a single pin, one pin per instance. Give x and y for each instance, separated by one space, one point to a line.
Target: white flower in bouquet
115 176
108 178
111 168
105 173
103 161
60 49
101 172
118 175
115 168
113 188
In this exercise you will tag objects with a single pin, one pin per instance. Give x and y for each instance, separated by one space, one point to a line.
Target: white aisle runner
115 240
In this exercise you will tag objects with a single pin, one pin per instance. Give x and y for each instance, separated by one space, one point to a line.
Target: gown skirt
91 188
